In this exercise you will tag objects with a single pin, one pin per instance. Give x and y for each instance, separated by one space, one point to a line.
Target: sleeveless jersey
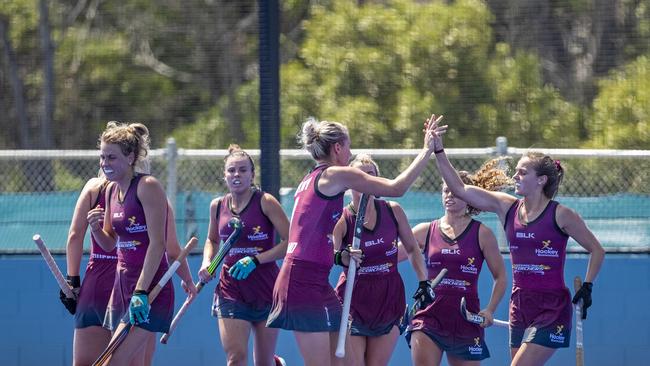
461 256
538 249
379 245
130 225
312 221
96 252
257 234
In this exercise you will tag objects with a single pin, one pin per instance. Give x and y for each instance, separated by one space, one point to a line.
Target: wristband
256 261
141 292
74 281
439 151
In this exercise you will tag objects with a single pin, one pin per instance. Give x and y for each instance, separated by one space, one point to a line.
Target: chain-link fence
38 189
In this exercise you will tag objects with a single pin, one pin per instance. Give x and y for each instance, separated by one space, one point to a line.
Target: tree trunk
16 84
42 173
47 47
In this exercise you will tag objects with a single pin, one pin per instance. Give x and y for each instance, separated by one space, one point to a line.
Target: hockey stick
432 283
234 223
478 319
120 336
63 284
580 351
352 271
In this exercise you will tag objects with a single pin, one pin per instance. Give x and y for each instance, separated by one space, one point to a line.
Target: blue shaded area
38 330
621 220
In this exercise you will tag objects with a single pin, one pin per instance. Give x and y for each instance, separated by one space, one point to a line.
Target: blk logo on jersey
469 267
558 336
524 235
547 250
135 226
449 251
374 242
476 348
258 234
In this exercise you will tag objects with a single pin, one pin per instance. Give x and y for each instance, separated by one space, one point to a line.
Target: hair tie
558 165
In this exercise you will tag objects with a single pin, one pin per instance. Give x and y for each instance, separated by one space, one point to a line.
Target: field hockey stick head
235 223
467 315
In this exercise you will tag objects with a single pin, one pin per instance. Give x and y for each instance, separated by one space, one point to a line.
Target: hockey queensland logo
257 234
393 249
476 348
558 336
135 226
547 250
469 267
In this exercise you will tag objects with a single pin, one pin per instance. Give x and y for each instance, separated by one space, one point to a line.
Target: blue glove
139 307
243 268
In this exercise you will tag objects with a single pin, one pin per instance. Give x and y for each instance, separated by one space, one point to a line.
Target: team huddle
134 243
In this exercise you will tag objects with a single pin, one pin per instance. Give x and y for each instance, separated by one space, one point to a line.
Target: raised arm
273 210
339 178
480 198
490 248
409 242
154 203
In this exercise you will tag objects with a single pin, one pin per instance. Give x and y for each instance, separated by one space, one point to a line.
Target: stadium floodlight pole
269 110
352 270
580 351
120 335
478 319
234 223
63 284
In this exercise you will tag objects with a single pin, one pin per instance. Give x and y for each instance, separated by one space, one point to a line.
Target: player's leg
88 344
264 343
315 347
456 361
380 349
531 354
355 350
234 335
424 351
132 351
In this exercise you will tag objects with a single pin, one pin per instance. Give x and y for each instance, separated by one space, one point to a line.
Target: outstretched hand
433 132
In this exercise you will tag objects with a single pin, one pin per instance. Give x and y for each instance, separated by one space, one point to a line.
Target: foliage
622 108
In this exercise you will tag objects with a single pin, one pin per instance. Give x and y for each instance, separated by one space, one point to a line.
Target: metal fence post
502 150
172 176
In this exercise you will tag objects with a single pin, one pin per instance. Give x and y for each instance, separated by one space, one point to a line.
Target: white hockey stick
352 270
63 284
478 319
580 351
